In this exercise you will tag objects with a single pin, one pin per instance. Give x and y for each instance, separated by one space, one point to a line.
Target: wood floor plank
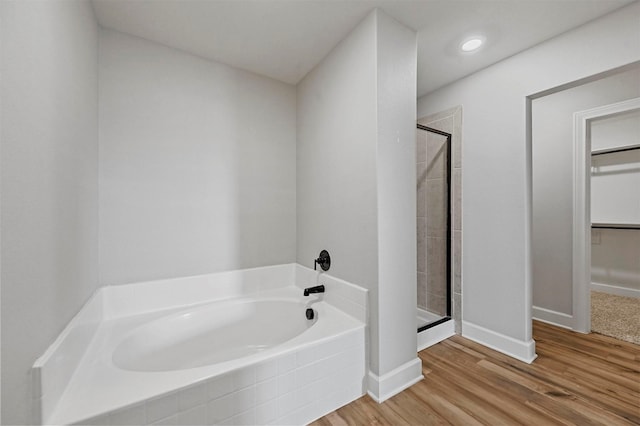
577 379
469 400
494 390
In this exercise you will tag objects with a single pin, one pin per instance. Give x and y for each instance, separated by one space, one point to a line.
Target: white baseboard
436 334
552 317
614 289
518 349
384 387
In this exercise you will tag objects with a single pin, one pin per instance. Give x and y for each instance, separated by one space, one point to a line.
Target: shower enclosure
433 169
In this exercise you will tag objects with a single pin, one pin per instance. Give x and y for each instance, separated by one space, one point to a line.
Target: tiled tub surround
296 382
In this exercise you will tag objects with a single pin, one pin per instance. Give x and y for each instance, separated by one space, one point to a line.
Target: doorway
607 220
561 195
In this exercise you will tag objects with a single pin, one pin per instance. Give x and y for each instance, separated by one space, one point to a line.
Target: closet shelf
613 150
615 226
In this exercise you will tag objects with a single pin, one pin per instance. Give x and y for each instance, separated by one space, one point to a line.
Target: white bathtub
213 333
241 360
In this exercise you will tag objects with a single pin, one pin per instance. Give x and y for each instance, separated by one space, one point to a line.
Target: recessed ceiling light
471 44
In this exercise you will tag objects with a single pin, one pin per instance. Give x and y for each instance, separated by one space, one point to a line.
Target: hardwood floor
577 379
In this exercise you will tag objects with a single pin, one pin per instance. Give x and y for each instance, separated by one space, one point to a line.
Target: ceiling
285 39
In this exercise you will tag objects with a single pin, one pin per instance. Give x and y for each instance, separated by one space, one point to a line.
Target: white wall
336 164
615 177
49 181
197 164
615 198
615 183
614 261
396 180
616 131
356 177
552 158
497 179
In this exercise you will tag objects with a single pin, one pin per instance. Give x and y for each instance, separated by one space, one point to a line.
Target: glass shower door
433 225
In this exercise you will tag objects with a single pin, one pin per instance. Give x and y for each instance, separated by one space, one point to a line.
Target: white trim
553 317
582 207
614 289
436 334
384 387
528 228
524 351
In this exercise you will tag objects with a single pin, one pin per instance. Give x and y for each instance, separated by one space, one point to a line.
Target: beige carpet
616 316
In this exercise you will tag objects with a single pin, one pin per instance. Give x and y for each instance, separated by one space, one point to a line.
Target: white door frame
582 208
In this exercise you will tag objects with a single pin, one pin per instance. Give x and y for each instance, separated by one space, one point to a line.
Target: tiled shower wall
449 121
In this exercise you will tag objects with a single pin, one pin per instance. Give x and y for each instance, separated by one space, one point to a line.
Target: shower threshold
432 328
426 319
433 323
